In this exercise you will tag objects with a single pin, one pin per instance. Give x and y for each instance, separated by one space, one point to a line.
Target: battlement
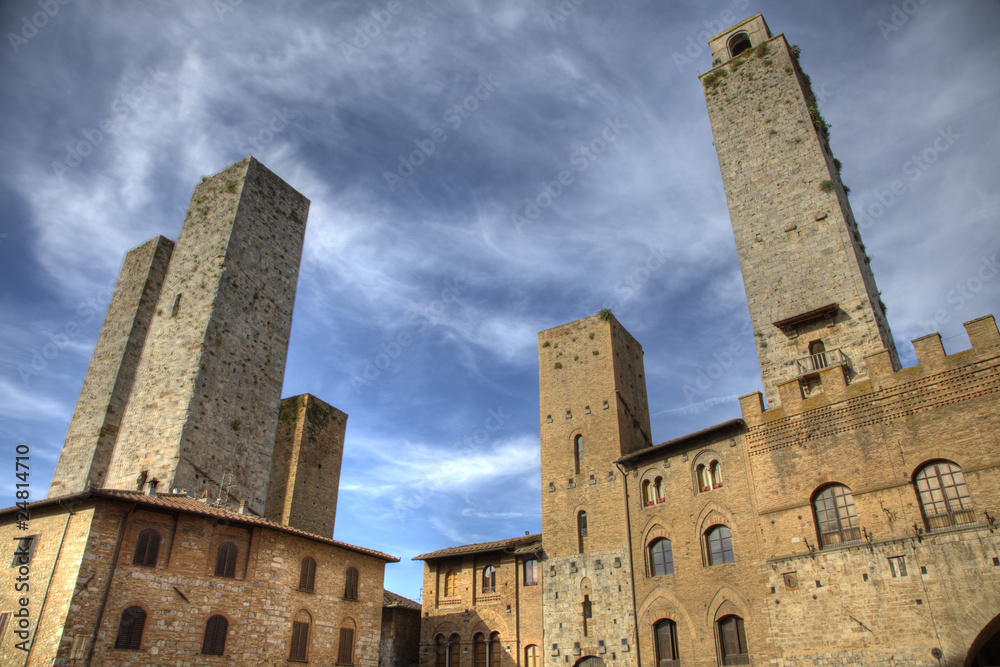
933 367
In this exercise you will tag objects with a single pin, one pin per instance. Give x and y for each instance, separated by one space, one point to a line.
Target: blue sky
419 129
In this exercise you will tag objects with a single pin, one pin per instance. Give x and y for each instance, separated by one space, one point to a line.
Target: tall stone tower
594 410
203 408
813 300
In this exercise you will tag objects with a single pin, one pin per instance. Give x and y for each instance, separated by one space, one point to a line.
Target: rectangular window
3 623
300 639
898 566
345 653
24 550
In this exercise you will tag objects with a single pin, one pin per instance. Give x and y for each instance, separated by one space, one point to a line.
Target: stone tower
203 408
594 410
813 300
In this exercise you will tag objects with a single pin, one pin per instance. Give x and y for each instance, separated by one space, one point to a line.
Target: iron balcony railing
814 363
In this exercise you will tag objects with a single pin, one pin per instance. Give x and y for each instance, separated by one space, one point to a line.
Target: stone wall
106 388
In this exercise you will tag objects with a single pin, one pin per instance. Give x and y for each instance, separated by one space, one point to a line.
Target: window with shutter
300 640
225 561
479 649
215 636
351 586
454 650
147 548
494 654
307 575
345 652
666 643
130 627
734 641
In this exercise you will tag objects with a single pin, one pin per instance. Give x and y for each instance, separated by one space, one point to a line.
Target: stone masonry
805 269
203 411
106 388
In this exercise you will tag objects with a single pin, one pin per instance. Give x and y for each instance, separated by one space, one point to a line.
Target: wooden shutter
130 629
147 548
307 577
480 651
300 639
345 654
215 636
351 587
225 562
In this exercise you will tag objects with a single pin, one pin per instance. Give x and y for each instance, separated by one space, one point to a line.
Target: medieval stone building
189 519
847 516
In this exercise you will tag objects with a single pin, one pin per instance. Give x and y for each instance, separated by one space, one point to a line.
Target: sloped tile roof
180 502
390 599
525 544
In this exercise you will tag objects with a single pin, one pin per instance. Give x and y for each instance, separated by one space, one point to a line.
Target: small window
147 548
225 560
715 474
177 306
489 579
299 650
130 628
658 489
944 497
897 565
450 581
345 648
307 575
738 43
588 614
733 641
351 585
24 550
531 572
578 451
581 529
661 557
665 635
703 482
817 355
720 545
531 656
836 516
215 636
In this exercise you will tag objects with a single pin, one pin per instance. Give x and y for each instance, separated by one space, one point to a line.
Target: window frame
346 645
352 584
214 643
710 538
735 40
950 518
129 637
450 583
307 575
147 548
531 572
670 628
668 557
838 516
298 650
742 655
488 582
225 560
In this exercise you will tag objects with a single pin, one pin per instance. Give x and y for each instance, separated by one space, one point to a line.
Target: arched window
454 650
738 43
440 652
578 451
450 580
147 548
581 528
661 557
300 637
479 650
531 656
215 636
351 584
345 647
817 355
836 518
489 579
720 545
665 636
647 493
225 560
704 484
130 628
658 489
307 575
733 641
531 572
715 474
494 659
944 497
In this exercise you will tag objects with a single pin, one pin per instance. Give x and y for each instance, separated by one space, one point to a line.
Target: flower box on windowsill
660 500
648 503
704 488
717 486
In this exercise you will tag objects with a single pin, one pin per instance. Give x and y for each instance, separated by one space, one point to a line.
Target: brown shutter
345 654
300 640
140 548
130 628
307 577
351 588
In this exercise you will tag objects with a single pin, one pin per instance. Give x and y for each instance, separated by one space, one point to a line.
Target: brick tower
813 300
203 409
594 410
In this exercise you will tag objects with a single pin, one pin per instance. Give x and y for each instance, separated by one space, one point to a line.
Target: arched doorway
589 661
986 649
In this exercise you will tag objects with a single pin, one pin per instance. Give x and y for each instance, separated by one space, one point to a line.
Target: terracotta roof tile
390 599
514 545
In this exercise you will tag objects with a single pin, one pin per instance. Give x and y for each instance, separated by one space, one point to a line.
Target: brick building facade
851 520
